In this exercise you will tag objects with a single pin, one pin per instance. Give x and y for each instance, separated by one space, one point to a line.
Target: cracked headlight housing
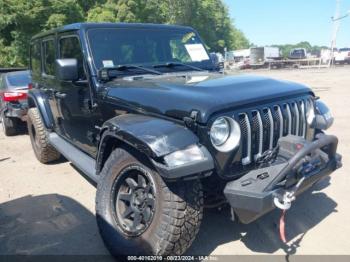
182 157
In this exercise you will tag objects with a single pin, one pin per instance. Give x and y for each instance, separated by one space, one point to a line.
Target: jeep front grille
261 128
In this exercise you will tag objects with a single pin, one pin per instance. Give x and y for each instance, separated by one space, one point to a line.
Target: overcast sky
267 22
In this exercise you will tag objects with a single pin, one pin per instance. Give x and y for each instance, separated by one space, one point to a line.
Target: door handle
60 95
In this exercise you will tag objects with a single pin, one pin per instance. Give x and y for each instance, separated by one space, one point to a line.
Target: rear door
42 64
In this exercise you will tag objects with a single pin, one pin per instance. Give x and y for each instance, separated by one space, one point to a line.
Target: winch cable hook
284 204
282 226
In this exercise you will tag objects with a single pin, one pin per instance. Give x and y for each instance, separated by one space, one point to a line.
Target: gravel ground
49 209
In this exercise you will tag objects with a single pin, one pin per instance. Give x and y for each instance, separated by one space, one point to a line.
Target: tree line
21 19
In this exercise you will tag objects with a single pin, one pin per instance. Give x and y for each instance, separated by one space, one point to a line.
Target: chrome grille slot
268 129
246 138
257 134
261 128
271 128
297 119
278 116
289 119
303 118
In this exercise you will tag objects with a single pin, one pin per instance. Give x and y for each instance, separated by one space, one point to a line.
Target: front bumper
253 195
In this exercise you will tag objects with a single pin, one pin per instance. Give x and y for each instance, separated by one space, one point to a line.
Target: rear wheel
44 152
9 125
139 213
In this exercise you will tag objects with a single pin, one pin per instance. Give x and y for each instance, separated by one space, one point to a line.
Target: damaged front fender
155 138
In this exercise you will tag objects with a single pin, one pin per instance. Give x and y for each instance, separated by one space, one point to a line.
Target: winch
289 169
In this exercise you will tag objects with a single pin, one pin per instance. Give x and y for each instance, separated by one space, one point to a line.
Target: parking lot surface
49 209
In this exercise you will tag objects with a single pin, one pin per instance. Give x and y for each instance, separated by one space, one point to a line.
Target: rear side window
49 57
70 48
35 62
19 79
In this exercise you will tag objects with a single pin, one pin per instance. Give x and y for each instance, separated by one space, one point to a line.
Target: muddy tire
139 213
9 125
44 152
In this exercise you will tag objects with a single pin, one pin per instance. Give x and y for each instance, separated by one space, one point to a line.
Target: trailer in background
237 59
260 56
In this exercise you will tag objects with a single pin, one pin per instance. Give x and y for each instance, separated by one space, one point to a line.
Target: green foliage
21 19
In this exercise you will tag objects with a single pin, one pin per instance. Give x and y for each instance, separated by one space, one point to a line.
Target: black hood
178 95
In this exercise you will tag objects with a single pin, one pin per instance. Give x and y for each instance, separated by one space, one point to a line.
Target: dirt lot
49 209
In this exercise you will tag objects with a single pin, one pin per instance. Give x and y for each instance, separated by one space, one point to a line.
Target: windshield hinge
194 115
190 122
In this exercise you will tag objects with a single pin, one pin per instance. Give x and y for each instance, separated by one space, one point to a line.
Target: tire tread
47 152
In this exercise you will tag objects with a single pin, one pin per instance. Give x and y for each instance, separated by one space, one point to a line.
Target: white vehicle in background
259 56
237 59
342 56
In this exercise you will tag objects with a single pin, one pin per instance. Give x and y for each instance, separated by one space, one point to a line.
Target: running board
78 158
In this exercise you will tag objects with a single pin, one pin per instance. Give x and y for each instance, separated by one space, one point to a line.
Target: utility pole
336 24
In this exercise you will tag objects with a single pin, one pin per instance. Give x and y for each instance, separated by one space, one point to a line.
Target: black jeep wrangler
140 110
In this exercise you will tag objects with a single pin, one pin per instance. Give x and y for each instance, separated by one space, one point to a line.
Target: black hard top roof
84 26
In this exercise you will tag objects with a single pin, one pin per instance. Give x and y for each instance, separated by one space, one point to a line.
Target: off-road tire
176 219
9 125
44 152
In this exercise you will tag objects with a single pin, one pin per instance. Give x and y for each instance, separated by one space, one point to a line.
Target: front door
77 119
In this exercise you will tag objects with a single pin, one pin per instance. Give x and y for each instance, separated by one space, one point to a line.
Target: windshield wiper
174 64
104 74
127 67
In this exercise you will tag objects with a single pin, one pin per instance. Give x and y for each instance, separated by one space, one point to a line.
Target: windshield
19 79
112 47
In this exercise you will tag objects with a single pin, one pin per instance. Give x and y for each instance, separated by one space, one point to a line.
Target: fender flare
38 99
154 137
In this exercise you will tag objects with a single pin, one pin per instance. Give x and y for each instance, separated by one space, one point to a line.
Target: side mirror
67 69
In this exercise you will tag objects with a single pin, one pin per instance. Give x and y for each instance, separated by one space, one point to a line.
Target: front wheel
138 213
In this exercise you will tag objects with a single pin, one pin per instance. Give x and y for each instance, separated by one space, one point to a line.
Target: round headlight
220 131
310 113
225 134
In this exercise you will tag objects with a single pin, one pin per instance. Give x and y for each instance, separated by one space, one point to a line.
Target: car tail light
30 86
14 96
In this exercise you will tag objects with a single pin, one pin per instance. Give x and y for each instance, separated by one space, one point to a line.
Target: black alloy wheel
134 200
